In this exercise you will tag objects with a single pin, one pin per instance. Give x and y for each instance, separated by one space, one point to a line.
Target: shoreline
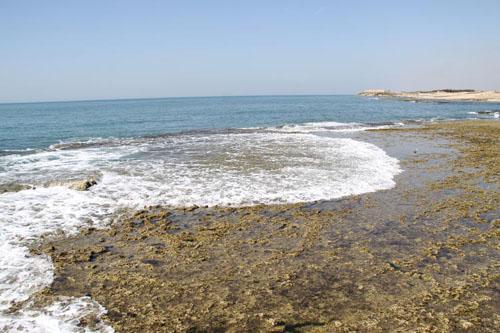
418 256
444 95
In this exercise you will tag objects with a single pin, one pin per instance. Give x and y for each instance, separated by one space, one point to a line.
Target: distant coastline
446 95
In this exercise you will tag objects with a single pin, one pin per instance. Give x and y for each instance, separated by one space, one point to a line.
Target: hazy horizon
169 97
99 50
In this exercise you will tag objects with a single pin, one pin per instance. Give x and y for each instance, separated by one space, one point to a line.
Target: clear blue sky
64 50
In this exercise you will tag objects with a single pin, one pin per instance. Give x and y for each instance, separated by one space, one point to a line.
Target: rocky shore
445 95
76 184
421 257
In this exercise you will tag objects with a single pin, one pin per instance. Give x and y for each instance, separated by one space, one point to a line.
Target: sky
78 50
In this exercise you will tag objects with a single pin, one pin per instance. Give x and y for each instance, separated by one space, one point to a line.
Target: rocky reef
75 184
421 257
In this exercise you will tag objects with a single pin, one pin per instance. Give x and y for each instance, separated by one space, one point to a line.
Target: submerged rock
14 187
488 112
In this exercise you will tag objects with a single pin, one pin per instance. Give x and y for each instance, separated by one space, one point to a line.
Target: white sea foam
184 170
62 316
25 216
330 126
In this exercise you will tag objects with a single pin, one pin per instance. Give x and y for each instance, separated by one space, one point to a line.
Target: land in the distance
465 95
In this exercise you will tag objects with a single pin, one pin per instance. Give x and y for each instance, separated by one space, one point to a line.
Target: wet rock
394 266
83 185
278 329
14 187
466 324
192 208
488 111
152 262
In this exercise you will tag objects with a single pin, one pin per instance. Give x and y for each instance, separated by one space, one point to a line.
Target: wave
26 151
194 160
308 127
330 126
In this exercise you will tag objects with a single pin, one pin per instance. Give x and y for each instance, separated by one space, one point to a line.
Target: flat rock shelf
420 257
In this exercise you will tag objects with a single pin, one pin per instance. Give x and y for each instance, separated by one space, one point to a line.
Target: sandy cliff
441 95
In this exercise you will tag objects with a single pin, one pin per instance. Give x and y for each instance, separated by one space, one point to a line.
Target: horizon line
167 97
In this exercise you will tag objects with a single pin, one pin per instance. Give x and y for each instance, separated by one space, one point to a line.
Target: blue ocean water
38 125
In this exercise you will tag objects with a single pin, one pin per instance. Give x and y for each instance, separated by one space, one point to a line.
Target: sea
177 152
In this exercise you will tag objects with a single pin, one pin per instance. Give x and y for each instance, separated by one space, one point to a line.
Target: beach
443 95
421 256
222 166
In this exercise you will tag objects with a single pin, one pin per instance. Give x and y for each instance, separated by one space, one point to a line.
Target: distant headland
437 95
